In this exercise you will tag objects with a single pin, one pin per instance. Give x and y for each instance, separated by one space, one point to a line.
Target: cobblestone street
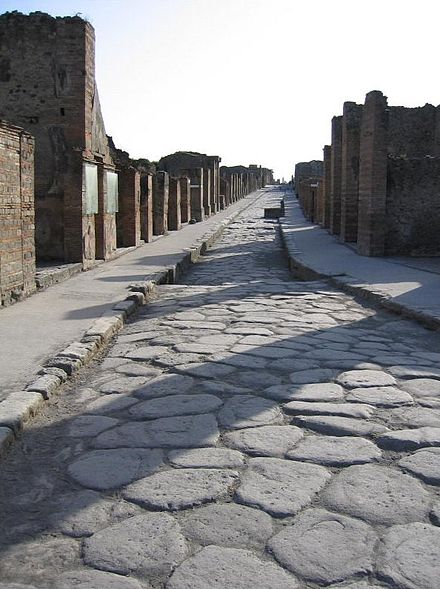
245 430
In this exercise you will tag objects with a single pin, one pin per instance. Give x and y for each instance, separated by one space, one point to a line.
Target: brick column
105 220
147 207
213 197
174 218
160 202
335 172
327 186
373 175
207 191
129 216
197 177
76 233
351 131
224 193
185 199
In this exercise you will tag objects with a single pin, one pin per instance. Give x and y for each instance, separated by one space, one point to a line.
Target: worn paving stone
267 440
425 464
335 451
257 379
377 494
343 409
326 391
415 371
422 387
89 425
339 426
324 547
408 556
123 384
365 378
206 370
269 351
16 586
289 365
206 458
176 405
413 417
410 439
280 487
93 579
216 566
144 545
240 360
435 513
82 513
380 396
109 404
311 376
187 431
357 585
136 369
248 411
36 559
107 469
179 489
146 353
228 524
165 385
177 359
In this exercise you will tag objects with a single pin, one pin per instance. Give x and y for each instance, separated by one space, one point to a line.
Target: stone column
351 130
373 176
335 190
197 181
174 217
160 203
185 199
147 207
129 216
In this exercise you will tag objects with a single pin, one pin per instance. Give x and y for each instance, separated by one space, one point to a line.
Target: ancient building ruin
381 178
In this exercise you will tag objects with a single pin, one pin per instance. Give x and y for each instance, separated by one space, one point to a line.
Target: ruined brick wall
305 170
17 246
351 130
413 132
413 206
47 86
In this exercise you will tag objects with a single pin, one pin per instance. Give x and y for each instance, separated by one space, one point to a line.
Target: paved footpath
244 430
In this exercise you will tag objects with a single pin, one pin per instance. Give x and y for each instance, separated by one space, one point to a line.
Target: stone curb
348 284
19 407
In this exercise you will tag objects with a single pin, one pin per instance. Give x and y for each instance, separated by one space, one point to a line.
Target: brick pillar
213 197
351 131
174 218
224 193
129 216
196 193
75 234
185 199
373 175
327 186
207 191
335 172
160 203
147 207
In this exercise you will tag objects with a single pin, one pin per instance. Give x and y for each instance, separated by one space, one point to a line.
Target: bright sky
254 81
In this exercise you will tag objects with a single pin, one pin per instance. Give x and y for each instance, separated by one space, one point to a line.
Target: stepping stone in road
326 391
422 387
267 440
218 567
377 494
144 545
323 547
410 439
176 405
343 409
365 378
339 426
187 431
335 451
425 464
408 556
178 489
91 579
280 487
108 469
206 458
380 396
228 524
248 411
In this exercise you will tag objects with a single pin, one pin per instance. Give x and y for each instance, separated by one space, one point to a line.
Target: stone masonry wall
17 245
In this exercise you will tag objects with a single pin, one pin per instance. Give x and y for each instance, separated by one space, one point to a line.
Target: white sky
254 81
